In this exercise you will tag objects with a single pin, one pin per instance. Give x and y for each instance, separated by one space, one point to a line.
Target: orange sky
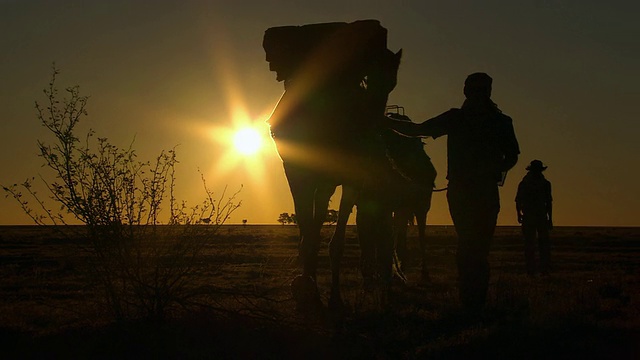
183 73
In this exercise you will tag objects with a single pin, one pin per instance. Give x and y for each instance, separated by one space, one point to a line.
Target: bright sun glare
247 141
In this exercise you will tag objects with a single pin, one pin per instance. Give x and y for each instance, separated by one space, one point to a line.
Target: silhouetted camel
412 179
413 187
337 79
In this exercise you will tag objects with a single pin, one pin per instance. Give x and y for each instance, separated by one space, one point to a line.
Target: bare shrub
143 269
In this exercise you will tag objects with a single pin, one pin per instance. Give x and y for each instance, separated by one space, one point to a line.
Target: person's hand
387 121
519 218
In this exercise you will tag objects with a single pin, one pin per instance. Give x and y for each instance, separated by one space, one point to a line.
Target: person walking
481 148
534 205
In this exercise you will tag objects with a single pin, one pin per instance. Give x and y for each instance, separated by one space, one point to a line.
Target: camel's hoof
305 294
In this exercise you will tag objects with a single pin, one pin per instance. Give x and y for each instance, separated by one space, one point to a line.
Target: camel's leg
312 206
323 194
309 240
401 219
366 234
384 245
304 287
421 217
375 234
336 246
303 190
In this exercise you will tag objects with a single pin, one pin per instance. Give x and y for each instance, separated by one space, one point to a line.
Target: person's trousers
536 228
474 210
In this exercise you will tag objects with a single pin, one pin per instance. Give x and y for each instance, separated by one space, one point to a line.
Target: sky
187 74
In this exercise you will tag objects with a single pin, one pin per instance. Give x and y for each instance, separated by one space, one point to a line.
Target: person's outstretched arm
434 127
407 128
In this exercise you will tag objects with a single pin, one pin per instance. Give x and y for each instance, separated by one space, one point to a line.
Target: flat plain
589 307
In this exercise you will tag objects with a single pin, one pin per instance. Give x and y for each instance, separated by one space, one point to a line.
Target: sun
247 141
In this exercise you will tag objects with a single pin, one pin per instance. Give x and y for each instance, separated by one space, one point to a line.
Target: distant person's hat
536 165
478 83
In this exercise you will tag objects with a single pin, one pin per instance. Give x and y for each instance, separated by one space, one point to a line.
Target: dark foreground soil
588 308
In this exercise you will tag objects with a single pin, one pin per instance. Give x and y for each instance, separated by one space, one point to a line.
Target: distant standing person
481 148
534 206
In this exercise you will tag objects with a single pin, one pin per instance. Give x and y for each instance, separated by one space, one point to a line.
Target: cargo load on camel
332 74
327 51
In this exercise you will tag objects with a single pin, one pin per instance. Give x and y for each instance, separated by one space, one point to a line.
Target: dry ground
588 308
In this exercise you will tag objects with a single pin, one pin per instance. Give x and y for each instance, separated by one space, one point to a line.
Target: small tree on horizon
141 270
284 218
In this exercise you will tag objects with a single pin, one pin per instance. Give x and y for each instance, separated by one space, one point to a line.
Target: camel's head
383 75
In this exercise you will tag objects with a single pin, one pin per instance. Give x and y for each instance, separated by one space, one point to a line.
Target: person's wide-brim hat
536 165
